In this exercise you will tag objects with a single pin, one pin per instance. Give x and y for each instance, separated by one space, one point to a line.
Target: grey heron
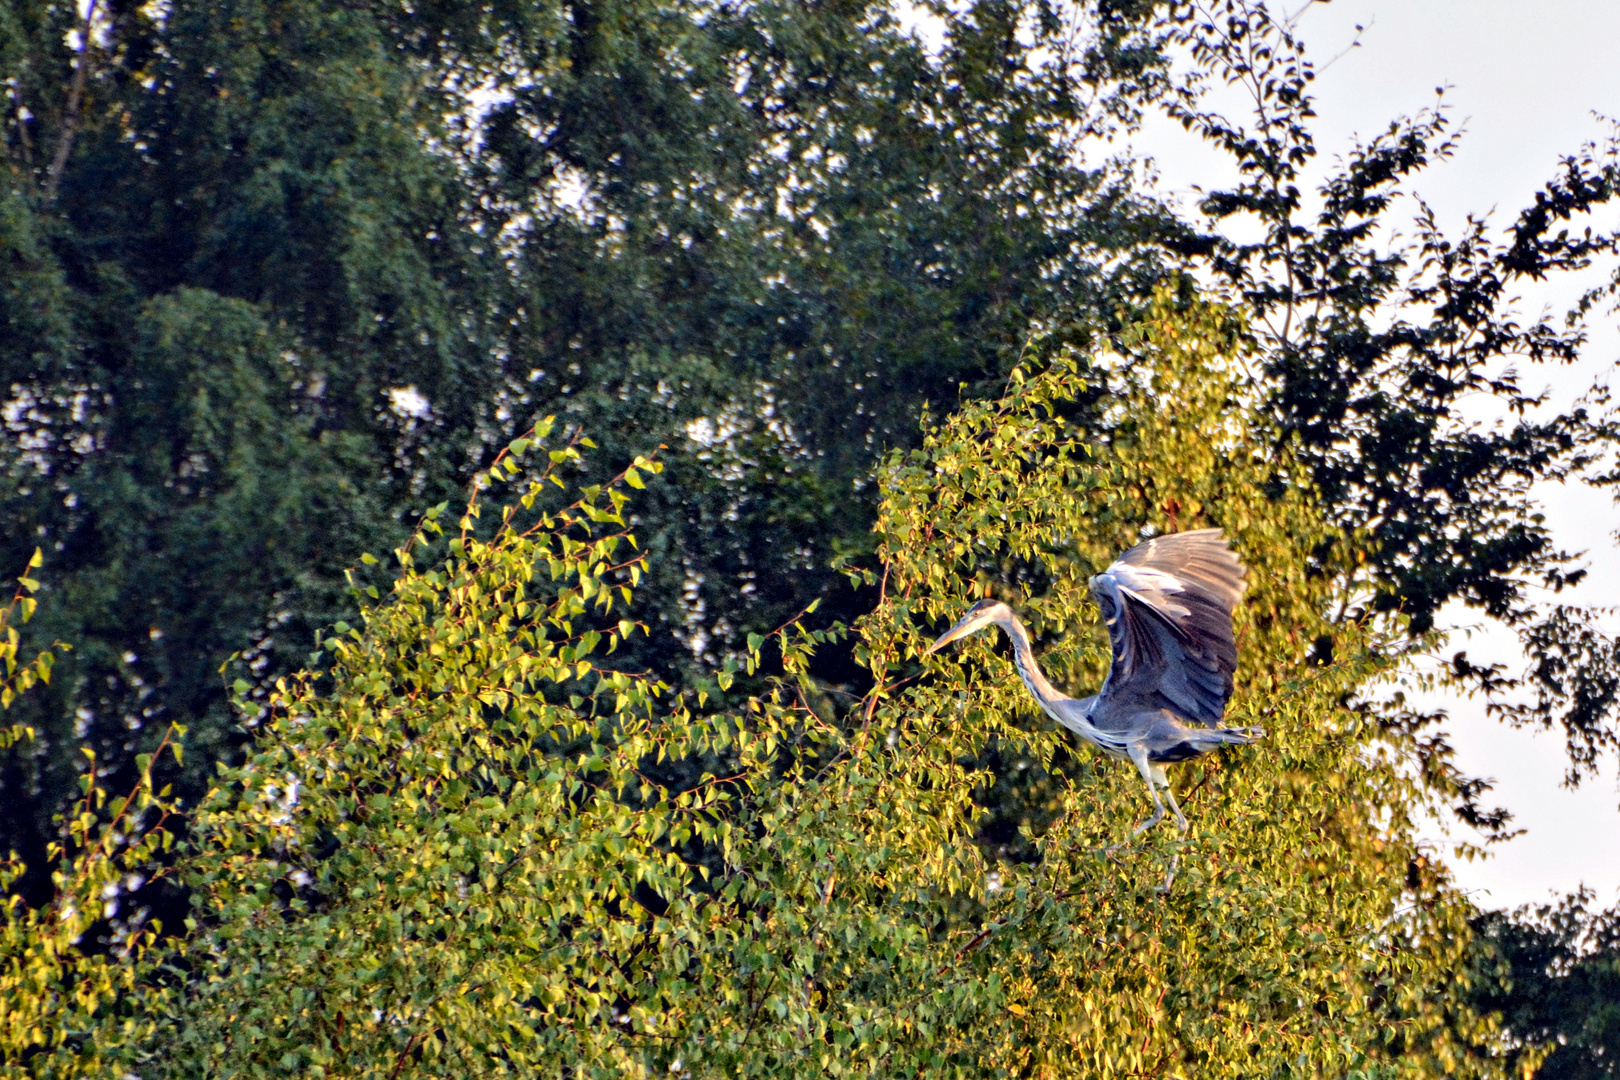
1168 606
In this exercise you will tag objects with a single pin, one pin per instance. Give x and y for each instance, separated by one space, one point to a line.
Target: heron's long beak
960 630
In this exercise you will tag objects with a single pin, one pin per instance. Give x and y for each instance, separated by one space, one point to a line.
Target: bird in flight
1168 606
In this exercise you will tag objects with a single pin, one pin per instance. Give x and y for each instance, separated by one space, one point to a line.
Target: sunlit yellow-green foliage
468 844
21 675
1305 933
65 1011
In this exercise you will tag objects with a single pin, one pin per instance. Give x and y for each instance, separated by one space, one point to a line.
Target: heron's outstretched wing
1168 604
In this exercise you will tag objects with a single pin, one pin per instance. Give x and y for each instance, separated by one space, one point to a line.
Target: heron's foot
1175 860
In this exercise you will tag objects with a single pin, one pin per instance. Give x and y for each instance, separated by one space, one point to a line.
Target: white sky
1525 77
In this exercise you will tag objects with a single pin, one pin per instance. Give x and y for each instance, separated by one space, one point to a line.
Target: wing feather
1168 603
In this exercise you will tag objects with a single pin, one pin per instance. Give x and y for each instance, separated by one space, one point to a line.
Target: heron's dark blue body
1179 752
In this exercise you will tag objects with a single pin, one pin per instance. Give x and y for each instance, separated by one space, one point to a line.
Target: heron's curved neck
1024 659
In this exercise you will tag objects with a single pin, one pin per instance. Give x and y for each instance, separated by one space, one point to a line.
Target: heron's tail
1234 736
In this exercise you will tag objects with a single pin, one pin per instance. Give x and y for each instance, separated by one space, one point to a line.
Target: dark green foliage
803 228
1575 676
1555 978
238 262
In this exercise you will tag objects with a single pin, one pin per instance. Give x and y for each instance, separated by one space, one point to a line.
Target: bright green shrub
1306 932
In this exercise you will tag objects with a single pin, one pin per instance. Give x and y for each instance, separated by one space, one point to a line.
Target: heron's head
984 613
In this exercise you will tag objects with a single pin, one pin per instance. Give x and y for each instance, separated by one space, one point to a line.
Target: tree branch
75 104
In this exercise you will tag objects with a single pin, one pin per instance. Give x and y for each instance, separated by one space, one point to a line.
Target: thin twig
757 1006
403 1054
75 103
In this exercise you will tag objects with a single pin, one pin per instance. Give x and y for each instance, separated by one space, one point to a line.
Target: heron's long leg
1139 755
1175 808
1181 823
